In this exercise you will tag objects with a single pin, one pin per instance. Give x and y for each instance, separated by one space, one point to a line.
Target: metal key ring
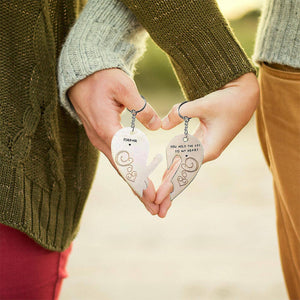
134 112
179 114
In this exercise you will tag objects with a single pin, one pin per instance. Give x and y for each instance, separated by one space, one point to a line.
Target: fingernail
157 201
154 122
161 215
165 122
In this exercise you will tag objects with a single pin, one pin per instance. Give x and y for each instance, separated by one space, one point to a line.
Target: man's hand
222 114
99 101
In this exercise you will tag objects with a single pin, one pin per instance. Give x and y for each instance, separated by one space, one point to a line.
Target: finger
148 116
165 174
169 173
163 191
172 119
164 207
191 109
149 197
166 186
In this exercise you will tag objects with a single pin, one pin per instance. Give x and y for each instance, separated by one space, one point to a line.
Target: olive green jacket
46 160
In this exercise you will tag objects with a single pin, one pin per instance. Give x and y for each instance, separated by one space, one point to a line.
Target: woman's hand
222 114
99 101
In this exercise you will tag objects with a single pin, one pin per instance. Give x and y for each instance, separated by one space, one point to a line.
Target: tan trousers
278 124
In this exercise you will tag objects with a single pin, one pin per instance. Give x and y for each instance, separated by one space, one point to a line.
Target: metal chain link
133 117
186 123
135 112
186 128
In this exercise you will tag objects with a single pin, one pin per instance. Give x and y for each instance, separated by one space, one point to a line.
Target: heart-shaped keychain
190 151
130 149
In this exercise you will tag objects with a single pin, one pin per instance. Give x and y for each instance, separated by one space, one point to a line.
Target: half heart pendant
130 150
189 151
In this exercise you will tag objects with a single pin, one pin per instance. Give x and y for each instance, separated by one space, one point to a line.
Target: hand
99 101
222 114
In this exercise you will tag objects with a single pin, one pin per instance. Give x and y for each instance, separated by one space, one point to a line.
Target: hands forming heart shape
100 98
130 149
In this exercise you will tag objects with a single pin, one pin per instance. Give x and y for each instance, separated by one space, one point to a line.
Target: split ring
133 111
179 114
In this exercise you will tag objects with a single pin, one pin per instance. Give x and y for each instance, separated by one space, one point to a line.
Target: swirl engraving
131 176
189 165
182 179
123 159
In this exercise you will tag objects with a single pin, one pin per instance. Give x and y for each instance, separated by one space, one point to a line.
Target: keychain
130 149
190 151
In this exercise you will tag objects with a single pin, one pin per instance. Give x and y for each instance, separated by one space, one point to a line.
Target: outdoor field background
218 240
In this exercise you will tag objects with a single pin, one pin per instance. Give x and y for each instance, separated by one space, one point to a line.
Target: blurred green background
155 78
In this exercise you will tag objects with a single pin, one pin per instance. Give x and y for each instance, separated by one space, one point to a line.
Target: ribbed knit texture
278 37
106 35
47 163
198 40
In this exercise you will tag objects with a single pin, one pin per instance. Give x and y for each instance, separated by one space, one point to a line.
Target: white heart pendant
130 151
191 153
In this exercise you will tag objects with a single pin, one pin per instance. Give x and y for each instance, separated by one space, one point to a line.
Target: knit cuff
204 65
198 40
106 35
278 34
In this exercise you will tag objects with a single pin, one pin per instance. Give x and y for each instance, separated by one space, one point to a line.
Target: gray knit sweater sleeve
278 37
106 35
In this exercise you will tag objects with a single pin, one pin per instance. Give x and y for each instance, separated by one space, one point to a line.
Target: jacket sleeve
106 35
198 40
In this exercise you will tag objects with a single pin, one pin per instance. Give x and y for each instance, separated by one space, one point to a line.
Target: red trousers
27 270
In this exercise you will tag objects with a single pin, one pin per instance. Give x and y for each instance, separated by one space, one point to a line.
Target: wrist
106 35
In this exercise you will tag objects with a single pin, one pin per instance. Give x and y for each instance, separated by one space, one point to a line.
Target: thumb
148 116
189 109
